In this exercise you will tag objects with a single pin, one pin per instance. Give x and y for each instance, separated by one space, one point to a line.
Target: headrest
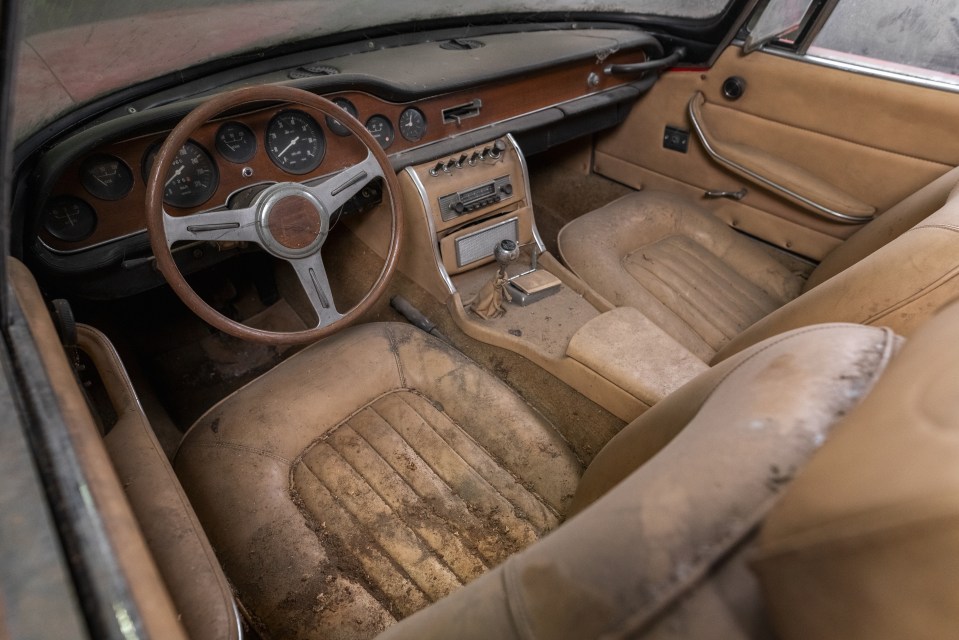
865 542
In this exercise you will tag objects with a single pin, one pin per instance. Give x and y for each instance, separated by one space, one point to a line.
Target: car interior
552 329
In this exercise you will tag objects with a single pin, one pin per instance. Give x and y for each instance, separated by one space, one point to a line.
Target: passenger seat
717 291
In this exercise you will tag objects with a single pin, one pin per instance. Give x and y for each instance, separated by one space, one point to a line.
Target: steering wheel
289 220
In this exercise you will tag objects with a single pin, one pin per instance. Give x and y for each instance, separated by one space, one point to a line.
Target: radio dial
507 189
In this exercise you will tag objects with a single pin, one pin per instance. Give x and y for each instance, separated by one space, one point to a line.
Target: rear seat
717 291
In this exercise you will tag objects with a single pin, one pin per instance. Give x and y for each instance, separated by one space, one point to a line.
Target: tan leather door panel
859 141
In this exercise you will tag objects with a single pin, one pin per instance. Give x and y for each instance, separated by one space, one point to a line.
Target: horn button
291 221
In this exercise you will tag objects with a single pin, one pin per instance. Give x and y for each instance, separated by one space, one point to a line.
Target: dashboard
420 102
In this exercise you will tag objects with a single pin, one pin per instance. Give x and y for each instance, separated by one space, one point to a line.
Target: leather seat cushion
695 277
371 474
664 519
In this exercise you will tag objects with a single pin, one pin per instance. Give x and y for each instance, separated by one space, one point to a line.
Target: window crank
732 195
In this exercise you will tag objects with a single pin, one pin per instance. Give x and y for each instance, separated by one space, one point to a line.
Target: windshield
76 51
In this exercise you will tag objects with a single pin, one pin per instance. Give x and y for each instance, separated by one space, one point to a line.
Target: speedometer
295 142
192 179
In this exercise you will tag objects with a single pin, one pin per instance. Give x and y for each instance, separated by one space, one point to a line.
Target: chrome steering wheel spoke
337 190
312 274
226 225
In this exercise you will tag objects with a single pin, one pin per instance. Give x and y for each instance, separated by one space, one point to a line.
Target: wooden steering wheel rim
158 239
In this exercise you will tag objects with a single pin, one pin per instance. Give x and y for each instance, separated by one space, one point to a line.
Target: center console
459 210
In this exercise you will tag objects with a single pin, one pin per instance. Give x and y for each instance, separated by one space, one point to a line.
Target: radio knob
507 189
459 208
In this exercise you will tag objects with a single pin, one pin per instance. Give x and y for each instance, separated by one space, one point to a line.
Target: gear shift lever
506 253
488 303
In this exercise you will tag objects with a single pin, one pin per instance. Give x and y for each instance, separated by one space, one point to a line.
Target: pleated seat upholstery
367 477
717 291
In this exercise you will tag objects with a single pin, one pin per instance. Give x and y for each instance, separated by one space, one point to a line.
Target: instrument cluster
101 198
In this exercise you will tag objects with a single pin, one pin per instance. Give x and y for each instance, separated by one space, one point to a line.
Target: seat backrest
899 285
865 542
658 527
886 228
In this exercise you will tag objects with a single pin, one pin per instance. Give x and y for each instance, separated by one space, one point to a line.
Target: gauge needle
287 148
175 174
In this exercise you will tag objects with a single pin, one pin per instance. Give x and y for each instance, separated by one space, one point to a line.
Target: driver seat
377 471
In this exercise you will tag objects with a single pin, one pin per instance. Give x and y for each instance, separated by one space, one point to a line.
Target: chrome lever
732 195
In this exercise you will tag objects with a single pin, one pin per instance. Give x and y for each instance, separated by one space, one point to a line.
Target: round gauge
295 142
69 219
412 124
192 179
106 177
381 129
235 142
335 125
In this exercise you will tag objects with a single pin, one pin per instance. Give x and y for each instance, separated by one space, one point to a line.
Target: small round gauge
335 125
382 130
69 219
106 177
235 142
192 178
295 142
412 124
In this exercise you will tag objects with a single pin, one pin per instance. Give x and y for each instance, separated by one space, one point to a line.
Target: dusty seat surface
691 274
717 291
368 476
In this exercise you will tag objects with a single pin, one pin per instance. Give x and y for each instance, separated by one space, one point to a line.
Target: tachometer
235 142
295 142
381 129
193 176
106 177
69 219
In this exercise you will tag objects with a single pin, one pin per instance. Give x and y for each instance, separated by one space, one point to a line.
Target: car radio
474 198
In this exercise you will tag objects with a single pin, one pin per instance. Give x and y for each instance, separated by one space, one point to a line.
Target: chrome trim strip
459 259
432 227
849 67
529 193
825 211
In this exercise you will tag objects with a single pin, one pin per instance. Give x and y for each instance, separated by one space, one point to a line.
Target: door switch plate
676 139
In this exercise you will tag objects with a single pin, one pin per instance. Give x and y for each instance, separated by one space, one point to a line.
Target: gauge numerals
192 179
295 142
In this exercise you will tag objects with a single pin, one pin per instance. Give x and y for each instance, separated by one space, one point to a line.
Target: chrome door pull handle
732 195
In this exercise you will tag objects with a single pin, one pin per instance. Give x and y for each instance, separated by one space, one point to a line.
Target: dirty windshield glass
74 50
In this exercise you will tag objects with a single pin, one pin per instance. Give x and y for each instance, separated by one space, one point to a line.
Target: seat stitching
728 305
241 447
434 517
429 465
704 315
916 296
394 348
947 227
375 589
501 464
436 553
742 285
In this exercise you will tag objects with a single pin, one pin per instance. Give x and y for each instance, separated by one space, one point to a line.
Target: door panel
874 140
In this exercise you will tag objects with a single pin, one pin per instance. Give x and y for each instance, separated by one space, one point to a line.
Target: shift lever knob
506 252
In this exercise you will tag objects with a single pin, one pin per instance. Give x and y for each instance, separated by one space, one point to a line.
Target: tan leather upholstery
717 291
863 544
367 476
379 470
200 593
654 533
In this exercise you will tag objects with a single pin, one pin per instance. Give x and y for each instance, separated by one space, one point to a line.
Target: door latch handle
732 195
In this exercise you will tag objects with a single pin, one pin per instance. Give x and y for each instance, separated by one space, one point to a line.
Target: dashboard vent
313 70
459 44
